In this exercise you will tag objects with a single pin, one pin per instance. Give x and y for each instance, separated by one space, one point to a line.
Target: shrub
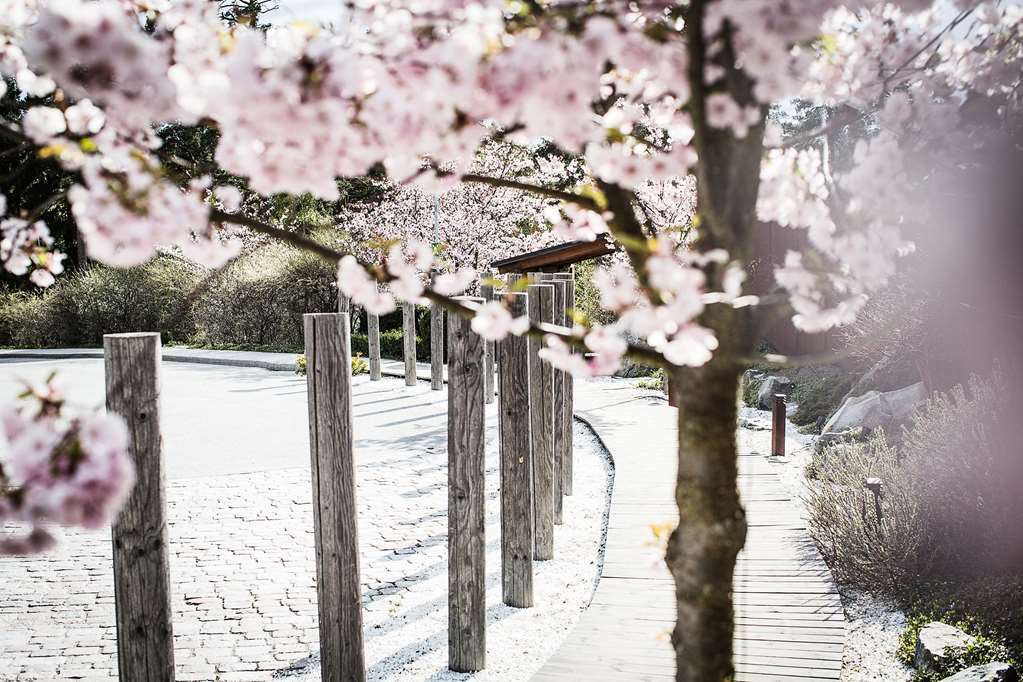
359 364
950 502
653 382
83 306
259 300
818 392
860 548
751 388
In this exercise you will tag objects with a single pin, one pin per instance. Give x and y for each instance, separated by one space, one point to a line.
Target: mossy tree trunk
712 524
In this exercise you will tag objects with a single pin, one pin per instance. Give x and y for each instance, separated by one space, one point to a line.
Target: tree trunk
712 524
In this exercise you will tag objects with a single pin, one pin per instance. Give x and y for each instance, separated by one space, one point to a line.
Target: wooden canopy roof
554 258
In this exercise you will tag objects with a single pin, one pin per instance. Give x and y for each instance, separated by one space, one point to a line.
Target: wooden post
329 386
569 389
541 419
436 343
778 426
467 612
560 413
490 347
516 467
344 305
408 323
373 338
142 602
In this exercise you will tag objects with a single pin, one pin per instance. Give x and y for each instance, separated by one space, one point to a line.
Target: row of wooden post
535 424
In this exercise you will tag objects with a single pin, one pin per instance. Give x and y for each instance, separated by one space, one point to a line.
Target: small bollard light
874 485
778 426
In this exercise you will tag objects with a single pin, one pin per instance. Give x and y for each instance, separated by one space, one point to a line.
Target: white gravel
873 625
407 632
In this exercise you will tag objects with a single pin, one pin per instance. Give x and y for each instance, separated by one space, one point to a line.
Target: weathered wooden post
329 386
408 324
467 610
541 419
569 389
436 343
778 425
516 467
142 603
373 339
344 305
560 413
490 347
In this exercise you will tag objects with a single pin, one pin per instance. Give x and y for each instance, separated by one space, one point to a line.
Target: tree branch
572 197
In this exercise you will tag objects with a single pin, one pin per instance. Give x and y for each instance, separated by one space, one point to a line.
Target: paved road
241 537
217 420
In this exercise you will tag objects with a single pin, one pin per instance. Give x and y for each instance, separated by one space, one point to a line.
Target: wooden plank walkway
789 620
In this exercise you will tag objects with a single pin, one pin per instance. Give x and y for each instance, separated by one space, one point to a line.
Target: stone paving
243 576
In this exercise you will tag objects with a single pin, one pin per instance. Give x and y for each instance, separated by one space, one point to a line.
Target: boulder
874 409
933 641
989 672
771 386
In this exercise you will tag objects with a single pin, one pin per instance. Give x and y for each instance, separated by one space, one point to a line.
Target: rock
989 672
933 640
771 386
874 409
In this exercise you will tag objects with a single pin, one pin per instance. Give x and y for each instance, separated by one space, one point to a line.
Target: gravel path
242 571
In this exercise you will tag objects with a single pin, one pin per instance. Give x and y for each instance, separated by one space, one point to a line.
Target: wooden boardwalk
789 621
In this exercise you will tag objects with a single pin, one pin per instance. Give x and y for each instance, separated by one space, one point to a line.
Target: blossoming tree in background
640 92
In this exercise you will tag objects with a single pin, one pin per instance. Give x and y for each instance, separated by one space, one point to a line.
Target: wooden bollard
373 338
436 344
489 361
541 419
339 596
142 602
408 324
560 413
569 390
778 426
467 610
344 305
516 467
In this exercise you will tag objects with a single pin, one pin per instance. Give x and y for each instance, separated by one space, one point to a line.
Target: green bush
985 649
653 382
818 392
359 364
83 306
259 300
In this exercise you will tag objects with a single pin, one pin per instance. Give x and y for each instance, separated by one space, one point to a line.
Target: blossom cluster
26 247
70 470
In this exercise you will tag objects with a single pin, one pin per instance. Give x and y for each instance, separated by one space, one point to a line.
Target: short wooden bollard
490 347
541 419
142 603
408 324
339 597
778 426
569 390
373 338
516 467
561 415
436 345
467 612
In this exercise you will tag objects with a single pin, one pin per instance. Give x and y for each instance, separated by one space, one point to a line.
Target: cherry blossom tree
641 92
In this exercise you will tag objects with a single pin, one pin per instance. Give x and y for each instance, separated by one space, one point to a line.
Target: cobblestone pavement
242 562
